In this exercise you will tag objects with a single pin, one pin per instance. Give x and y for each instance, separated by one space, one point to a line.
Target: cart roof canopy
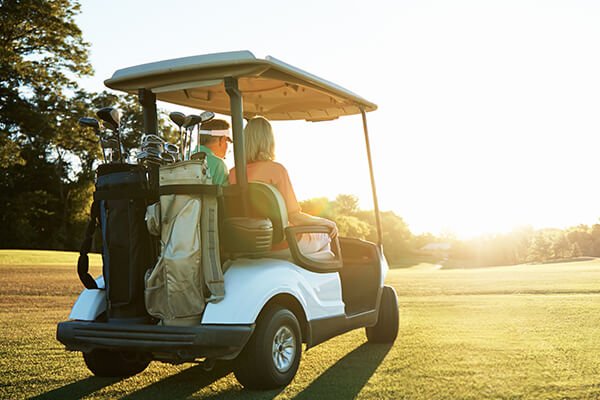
270 87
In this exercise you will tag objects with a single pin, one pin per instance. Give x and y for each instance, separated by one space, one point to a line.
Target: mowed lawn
523 332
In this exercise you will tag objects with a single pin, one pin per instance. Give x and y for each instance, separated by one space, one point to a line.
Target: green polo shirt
216 166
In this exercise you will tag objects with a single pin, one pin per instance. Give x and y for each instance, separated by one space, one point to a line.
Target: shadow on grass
349 375
183 384
343 380
79 389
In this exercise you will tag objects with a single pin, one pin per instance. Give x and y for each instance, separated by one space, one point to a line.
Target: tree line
402 247
48 161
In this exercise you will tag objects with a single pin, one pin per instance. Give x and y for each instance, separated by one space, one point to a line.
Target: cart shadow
183 384
346 378
79 389
343 380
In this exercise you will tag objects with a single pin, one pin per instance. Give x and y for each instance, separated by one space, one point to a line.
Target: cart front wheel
386 329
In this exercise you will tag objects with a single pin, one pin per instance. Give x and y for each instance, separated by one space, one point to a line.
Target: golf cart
271 305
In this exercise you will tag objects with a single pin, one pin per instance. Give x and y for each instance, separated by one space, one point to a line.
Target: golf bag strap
123 194
213 190
211 261
83 262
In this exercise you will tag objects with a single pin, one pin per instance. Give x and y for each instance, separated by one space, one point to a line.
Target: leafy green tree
47 160
345 204
397 237
541 247
41 54
561 248
353 227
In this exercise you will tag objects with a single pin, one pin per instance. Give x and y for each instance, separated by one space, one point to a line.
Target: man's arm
301 218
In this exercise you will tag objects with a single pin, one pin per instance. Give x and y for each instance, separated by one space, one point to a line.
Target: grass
522 332
43 257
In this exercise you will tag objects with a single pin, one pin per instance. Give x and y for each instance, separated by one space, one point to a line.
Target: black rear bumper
172 343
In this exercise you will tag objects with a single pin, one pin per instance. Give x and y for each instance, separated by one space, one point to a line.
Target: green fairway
523 332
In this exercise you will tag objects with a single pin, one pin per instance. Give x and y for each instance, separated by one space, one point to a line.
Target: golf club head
206 116
152 147
90 122
191 120
168 157
111 116
145 157
200 155
178 118
151 138
171 148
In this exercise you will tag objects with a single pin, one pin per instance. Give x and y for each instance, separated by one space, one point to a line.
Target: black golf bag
120 200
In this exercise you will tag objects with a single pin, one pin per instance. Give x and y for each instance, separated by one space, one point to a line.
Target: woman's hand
332 226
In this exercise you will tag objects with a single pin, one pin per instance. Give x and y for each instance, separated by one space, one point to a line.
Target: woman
259 143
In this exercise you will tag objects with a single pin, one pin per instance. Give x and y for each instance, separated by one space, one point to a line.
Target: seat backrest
264 201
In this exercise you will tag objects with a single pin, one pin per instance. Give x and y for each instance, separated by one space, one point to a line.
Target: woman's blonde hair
259 141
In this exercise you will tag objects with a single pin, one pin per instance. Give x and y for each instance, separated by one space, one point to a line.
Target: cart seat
248 236
264 225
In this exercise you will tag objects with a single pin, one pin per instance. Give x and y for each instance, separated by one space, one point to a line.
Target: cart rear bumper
175 343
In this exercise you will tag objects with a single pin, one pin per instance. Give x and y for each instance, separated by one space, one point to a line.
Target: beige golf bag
188 272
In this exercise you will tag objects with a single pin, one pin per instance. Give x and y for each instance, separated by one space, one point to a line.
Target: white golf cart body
250 284
328 297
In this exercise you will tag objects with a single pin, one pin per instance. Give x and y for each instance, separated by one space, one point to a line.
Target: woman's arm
300 218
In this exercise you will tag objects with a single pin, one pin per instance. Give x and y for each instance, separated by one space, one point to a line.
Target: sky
488 113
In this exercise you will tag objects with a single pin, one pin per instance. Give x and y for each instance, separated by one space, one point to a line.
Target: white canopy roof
269 87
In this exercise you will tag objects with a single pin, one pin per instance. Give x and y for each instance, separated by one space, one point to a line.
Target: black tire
115 363
255 367
386 329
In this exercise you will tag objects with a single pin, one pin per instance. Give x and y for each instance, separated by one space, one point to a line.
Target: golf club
190 122
178 119
93 123
205 116
112 117
172 149
113 145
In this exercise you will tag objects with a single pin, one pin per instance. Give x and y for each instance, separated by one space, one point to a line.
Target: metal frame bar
148 101
237 125
373 187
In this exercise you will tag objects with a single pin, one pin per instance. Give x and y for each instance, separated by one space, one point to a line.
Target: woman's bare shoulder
276 165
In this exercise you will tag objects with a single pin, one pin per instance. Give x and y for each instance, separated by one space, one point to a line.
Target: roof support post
148 101
237 125
373 188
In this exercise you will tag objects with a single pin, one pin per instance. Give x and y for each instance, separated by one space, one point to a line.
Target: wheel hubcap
284 349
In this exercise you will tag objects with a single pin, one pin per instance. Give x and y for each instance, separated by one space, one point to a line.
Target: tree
353 227
346 204
42 53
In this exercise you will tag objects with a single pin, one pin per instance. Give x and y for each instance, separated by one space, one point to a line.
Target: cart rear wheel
386 329
115 363
272 355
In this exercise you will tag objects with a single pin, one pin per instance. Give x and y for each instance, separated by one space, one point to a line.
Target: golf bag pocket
188 272
153 219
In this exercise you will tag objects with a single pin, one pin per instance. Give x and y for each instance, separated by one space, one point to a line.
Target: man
214 139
